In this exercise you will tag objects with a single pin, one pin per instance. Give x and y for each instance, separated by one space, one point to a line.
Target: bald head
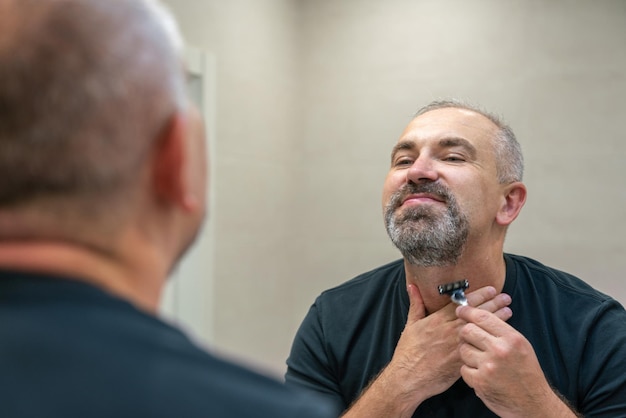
85 88
509 158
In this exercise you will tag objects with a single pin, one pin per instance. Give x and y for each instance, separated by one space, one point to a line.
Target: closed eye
454 158
403 162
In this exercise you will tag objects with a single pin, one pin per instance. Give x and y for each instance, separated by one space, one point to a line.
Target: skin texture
452 148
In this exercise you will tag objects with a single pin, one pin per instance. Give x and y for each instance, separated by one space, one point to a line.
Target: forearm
550 405
556 406
386 396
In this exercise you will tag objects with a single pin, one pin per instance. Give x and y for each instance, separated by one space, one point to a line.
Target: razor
456 290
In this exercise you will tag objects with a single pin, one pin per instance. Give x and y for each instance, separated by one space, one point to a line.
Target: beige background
311 96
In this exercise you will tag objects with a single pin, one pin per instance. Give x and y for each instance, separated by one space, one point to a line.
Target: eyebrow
458 142
402 146
448 142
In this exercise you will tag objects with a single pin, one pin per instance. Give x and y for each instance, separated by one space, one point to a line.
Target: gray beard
424 236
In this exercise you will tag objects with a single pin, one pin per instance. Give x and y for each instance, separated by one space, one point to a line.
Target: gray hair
508 152
86 87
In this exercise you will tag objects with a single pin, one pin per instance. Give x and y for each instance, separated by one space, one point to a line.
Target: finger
476 340
499 301
489 322
417 310
470 355
504 314
468 374
480 296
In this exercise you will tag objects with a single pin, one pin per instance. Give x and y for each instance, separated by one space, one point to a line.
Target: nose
422 170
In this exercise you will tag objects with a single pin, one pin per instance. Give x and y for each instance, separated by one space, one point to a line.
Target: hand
500 365
426 361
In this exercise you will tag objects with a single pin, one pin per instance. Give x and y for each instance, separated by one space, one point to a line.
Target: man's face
442 191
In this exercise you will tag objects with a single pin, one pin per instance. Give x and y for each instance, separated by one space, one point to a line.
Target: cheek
478 201
392 183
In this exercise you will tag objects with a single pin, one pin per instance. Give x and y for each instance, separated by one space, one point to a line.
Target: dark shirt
70 350
578 334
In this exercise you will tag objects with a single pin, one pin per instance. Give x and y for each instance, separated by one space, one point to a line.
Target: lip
419 198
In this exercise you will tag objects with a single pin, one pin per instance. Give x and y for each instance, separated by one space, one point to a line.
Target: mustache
435 189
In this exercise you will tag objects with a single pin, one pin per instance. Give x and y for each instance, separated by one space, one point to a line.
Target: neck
480 270
122 277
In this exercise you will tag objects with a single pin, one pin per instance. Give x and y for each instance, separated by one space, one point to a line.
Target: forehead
450 123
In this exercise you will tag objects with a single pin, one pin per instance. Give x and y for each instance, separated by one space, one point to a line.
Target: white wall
257 118
312 95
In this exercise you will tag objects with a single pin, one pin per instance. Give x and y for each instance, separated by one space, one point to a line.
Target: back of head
85 88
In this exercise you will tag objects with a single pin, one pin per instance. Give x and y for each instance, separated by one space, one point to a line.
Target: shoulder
368 282
561 292
184 379
577 332
73 332
232 390
190 381
546 277
378 291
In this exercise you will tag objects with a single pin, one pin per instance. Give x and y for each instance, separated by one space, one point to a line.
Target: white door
188 296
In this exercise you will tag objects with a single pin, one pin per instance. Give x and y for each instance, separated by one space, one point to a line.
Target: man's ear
169 163
513 200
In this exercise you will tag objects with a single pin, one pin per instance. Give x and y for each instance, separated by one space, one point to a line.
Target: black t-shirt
70 350
578 334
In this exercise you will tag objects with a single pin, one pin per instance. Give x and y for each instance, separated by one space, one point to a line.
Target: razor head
450 288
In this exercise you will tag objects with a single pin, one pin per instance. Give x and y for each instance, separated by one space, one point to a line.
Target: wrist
391 393
551 405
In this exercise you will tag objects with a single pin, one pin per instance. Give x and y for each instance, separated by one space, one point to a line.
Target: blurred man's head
90 93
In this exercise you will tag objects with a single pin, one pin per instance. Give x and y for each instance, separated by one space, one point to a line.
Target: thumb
416 306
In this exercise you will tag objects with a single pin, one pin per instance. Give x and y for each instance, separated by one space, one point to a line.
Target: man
534 342
102 189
